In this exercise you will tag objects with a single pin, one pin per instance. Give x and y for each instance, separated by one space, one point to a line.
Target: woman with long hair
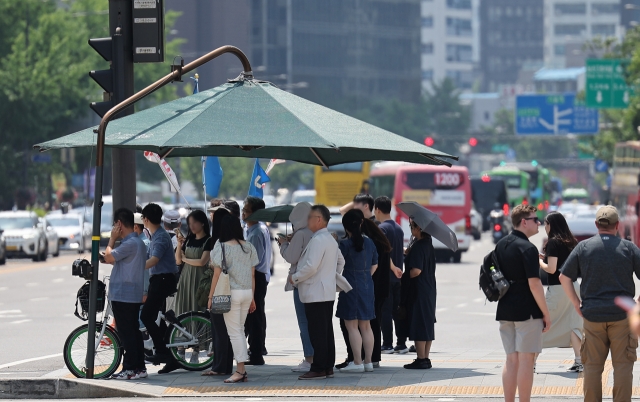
419 294
357 307
222 350
240 260
567 328
194 252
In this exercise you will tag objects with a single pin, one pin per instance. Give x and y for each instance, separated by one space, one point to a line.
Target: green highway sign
499 148
606 86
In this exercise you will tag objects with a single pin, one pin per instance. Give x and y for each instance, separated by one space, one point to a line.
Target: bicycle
188 338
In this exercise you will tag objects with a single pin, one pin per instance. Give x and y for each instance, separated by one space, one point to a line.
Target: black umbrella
430 223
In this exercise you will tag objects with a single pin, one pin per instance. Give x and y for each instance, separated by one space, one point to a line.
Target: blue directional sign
554 114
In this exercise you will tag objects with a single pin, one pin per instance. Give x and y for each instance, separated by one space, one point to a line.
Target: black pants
126 316
160 287
222 349
321 333
376 356
256 324
390 316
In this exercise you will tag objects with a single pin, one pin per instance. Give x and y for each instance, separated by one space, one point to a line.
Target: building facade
331 50
569 24
449 32
511 38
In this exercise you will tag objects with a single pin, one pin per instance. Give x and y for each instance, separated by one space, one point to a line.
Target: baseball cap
137 218
172 216
607 215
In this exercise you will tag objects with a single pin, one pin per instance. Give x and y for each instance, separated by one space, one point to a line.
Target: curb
61 388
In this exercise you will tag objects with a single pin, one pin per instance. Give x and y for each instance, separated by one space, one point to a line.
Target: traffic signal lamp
104 78
473 141
429 141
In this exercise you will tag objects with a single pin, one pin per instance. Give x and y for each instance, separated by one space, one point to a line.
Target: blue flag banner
196 89
258 178
211 175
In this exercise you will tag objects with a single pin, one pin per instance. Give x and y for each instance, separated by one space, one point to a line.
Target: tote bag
221 301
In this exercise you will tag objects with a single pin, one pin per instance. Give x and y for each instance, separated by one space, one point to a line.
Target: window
462 79
459 53
427 75
570 8
605 8
558 50
458 27
569 29
427 22
459 4
427 48
603 29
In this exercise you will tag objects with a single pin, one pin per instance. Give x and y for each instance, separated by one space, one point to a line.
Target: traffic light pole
175 75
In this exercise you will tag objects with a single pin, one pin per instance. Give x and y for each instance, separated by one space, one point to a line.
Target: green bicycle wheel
107 357
193 357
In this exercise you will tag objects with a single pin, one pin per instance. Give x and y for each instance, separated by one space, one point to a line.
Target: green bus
516 180
540 186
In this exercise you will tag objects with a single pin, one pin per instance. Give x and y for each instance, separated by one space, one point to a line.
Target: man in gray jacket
316 282
291 249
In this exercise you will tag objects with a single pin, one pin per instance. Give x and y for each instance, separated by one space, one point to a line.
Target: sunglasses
535 219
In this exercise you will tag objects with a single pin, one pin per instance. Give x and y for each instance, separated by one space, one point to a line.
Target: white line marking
461 305
33 359
32 284
37 299
12 316
440 310
479 300
4 288
20 321
10 311
58 280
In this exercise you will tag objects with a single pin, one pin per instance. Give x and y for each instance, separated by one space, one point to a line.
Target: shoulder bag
221 301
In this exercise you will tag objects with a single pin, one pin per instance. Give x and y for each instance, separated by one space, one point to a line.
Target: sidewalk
459 373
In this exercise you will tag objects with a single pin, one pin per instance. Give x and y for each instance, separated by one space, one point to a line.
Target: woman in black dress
222 350
420 276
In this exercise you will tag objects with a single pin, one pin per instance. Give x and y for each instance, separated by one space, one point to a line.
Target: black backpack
83 298
492 281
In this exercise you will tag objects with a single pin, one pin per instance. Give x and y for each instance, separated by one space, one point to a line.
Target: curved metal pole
97 200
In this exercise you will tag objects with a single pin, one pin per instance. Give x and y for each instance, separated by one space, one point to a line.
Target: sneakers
342 365
353 368
387 350
125 375
401 349
376 364
142 374
419 364
576 368
303 367
368 367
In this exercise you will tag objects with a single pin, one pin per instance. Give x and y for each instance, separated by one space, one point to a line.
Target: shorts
522 336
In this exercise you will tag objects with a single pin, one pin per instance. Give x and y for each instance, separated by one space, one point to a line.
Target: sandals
243 379
210 373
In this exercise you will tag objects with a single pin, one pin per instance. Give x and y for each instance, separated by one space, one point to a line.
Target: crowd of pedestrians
380 286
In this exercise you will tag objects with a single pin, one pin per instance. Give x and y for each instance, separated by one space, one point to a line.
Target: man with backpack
522 310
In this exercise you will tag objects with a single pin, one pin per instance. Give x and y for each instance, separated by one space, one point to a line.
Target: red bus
624 187
445 191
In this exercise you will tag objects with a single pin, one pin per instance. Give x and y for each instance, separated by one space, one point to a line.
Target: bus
539 185
486 193
516 180
445 191
625 182
338 185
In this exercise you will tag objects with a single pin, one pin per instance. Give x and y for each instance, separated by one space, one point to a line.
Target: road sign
606 86
499 148
554 114
41 158
601 166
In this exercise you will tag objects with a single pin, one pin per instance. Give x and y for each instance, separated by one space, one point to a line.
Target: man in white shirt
316 282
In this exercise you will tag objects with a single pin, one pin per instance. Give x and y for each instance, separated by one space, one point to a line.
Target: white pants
234 320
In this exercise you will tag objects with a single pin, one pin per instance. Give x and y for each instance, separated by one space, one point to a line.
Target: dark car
486 193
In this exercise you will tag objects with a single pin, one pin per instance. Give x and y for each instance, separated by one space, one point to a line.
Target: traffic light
473 141
104 78
429 141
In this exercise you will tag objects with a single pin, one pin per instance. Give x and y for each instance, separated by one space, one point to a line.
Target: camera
81 268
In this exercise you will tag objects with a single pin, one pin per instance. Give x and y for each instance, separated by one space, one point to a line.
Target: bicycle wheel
107 356
192 357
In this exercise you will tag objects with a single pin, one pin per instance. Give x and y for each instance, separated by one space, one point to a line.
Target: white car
53 242
476 224
25 235
74 233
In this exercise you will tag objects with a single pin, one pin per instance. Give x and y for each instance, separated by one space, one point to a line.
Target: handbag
221 301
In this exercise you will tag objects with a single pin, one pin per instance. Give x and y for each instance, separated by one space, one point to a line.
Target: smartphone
178 233
625 303
101 258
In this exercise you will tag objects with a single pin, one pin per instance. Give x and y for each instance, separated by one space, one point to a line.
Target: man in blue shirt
256 324
162 281
125 291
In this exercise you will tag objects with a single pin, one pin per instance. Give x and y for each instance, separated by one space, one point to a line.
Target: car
582 223
24 235
568 209
74 232
303 196
476 224
3 248
53 242
335 223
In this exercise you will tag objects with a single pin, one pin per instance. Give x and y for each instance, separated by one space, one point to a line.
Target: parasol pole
175 75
